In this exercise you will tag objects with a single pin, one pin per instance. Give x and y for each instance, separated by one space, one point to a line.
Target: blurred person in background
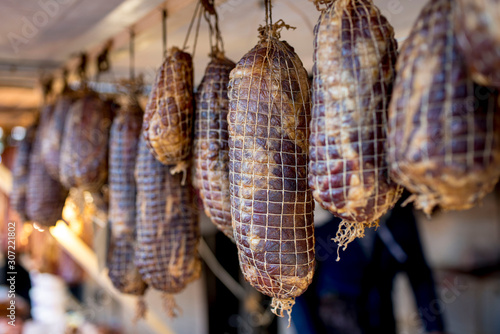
354 295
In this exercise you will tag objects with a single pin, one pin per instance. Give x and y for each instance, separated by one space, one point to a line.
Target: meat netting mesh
211 150
444 131
84 148
124 138
45 197
354 68
51 144
477 25
272 206
167 228
20 172
168 120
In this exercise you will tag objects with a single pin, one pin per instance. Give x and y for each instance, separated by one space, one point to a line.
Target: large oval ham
477 27
272 205
354 68
444 129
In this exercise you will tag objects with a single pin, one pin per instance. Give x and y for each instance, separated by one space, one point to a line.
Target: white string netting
477 28
167 229
322 5
140 309
211 150
124 137
169 113
86 128
20 172
272 206
51 144
355 54
444 143
45 197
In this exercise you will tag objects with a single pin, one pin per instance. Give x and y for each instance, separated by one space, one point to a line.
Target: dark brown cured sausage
211 150
272 205
354 68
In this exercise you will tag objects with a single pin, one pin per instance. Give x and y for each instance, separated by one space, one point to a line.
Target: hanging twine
270 29
322 5
209 6
103 64
197 14
164 31
215 36
64 77
269 15
132 54
81 70
47 83
273 30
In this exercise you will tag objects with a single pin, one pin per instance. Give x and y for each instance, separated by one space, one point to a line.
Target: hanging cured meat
84 148
20 172
477 27
168 120
167 228
211 150
45 197
51 144
354 69
272 206
124 138
444 129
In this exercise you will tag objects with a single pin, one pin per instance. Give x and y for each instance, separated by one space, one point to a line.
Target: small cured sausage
211 150
169 114
167 228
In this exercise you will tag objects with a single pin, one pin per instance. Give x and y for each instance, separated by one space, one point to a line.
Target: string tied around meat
348 231
47 84
322 5
274 30
141 309
170 305
280 306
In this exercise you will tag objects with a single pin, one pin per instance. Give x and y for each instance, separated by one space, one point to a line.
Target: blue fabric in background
354 295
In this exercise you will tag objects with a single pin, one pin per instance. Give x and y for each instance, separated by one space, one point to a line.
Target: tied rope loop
274 30
198 12
215 37
47 83
322 5
164 31
64 77
209 6
103 64
132 55
81 69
